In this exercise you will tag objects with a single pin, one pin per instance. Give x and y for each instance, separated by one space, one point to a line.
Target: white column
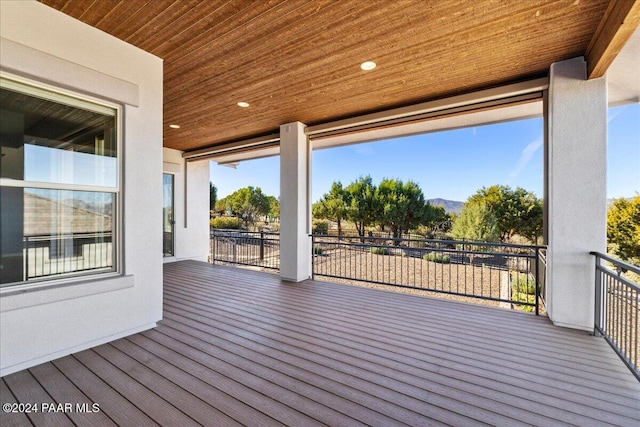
577 191
295 203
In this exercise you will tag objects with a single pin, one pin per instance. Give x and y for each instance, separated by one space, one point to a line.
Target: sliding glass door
168 221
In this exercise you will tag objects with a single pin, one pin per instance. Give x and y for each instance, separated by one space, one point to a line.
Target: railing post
598 304
26 252
235 250
214 248
313 257
537 273
261 245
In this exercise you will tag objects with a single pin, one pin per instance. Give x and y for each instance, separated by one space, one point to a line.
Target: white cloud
525 157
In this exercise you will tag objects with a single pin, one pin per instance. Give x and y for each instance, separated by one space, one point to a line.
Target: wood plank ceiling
299 60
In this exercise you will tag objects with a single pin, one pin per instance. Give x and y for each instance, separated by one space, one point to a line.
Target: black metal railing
247 248
47 255
617 308
506 273
542 275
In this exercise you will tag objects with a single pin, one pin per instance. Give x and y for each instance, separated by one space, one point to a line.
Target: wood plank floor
239 347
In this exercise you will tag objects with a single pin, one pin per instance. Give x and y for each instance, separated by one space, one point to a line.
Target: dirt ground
425 277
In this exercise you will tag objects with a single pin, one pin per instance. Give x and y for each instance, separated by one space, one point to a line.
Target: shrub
523 284
317 250
320 227
376 250
523 289
226 222
518 297
437 257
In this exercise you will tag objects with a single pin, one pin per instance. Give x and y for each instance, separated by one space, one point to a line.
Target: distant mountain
451 206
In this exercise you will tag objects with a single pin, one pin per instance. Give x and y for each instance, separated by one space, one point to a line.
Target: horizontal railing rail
617 308
246 248
506 273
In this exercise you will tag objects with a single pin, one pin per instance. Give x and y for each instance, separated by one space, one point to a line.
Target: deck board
198 409
119 409
407 371
161 411
62 391
27 390
10 418
240 347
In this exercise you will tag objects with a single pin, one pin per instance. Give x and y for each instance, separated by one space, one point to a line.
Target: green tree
476 222
213 196
247 203
623 228
333 205
401 206
363 207
223 206
516 211
274 208
436 219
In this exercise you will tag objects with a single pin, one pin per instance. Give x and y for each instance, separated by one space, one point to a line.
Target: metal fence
248 248
47 255
506 273
617 309
542 275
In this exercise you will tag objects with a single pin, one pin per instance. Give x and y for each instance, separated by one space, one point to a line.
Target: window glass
45 141
67 231
70 147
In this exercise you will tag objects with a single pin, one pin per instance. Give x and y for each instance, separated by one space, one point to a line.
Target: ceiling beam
619 22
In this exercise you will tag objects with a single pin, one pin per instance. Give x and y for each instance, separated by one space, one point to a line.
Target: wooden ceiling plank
124 13
616 27
287 57
185 26
232 37
56 4
232 24
154 11
109 21
98 11
298 59
133 14
164 23
76 8
320 53
322 61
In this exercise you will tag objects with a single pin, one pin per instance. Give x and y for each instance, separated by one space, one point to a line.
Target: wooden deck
239 347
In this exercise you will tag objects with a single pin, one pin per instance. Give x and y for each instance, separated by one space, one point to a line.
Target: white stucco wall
47 46
191 236
577 193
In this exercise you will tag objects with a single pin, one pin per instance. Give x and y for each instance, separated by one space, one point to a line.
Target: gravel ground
477 278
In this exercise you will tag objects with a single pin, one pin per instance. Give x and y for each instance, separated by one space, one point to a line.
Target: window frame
98 105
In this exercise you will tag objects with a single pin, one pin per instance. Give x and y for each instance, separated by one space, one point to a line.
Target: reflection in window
71 145
45 141
67 231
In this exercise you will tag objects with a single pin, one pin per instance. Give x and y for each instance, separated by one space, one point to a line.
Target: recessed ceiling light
368 65
174 126
243 104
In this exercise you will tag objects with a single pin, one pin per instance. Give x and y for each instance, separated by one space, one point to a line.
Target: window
59 186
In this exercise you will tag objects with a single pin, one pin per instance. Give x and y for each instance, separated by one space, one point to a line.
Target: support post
577 192
295 203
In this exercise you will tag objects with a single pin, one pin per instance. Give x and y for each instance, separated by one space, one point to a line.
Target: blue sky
452 165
